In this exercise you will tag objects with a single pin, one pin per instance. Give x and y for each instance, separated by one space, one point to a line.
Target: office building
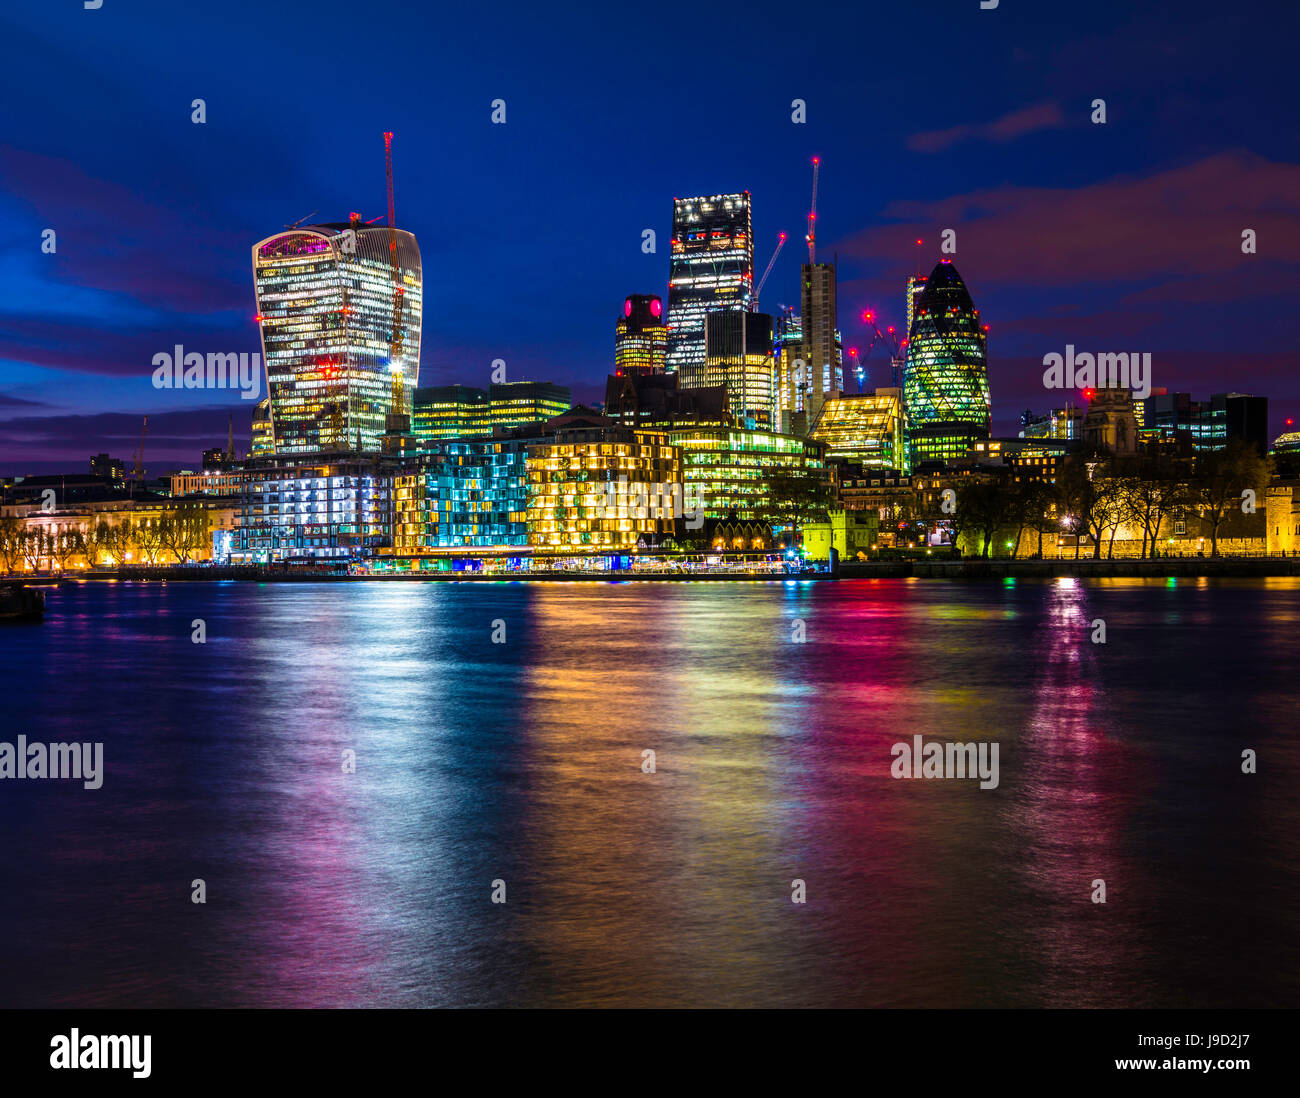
712 270
822 354
641 337
738 354
866 428
325 304
945 382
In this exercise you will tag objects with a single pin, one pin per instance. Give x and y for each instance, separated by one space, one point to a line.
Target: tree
983 508
36 546
64 545
118 540
149 536
184 530
95 542
1030 502
12 530
1218 480
795 498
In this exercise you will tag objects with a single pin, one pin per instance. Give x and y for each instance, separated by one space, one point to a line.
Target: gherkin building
946 380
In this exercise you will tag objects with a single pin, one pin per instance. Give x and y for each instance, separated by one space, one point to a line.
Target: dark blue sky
1117 237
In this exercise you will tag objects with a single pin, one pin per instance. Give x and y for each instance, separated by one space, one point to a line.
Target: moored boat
18 602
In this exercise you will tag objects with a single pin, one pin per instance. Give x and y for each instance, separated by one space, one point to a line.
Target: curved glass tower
325 308
946 380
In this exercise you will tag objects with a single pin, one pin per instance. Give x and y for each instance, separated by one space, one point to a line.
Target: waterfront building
945 382
851 534
738 355
870 428
733 471
462 493
325 304
334 506
641 337
595 485
712 270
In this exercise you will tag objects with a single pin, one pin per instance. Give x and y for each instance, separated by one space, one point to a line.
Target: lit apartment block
602 487
325 304
331 508
462 493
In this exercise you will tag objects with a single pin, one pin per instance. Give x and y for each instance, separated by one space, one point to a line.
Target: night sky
1122 237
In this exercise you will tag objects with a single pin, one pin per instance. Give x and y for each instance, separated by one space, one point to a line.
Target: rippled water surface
522 762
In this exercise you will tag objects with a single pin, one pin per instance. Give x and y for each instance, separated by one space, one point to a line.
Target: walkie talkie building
325 308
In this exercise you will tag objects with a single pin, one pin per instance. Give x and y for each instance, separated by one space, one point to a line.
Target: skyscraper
824 369
945 383
712 270
641 337
325 307
738 354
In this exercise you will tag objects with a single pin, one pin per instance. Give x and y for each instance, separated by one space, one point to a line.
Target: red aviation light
259 318
1088 394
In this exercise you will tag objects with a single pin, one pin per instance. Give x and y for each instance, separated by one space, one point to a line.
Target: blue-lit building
462 493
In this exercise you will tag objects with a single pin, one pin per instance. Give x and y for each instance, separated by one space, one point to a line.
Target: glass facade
462 493
867 428
730 470
712 269
603 488
325 308
945 382
738 354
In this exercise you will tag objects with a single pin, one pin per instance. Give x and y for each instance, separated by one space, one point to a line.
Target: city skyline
1064 228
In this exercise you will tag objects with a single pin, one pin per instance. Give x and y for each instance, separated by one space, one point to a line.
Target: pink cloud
1041 116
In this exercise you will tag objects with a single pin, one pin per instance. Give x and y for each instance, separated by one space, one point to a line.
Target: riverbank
1189 567
970 569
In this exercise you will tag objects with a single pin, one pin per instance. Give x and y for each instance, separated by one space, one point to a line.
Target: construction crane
138 457
302 219
780 243
812 215
399 292
889 340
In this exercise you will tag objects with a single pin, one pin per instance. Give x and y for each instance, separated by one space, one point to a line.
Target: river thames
521 761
